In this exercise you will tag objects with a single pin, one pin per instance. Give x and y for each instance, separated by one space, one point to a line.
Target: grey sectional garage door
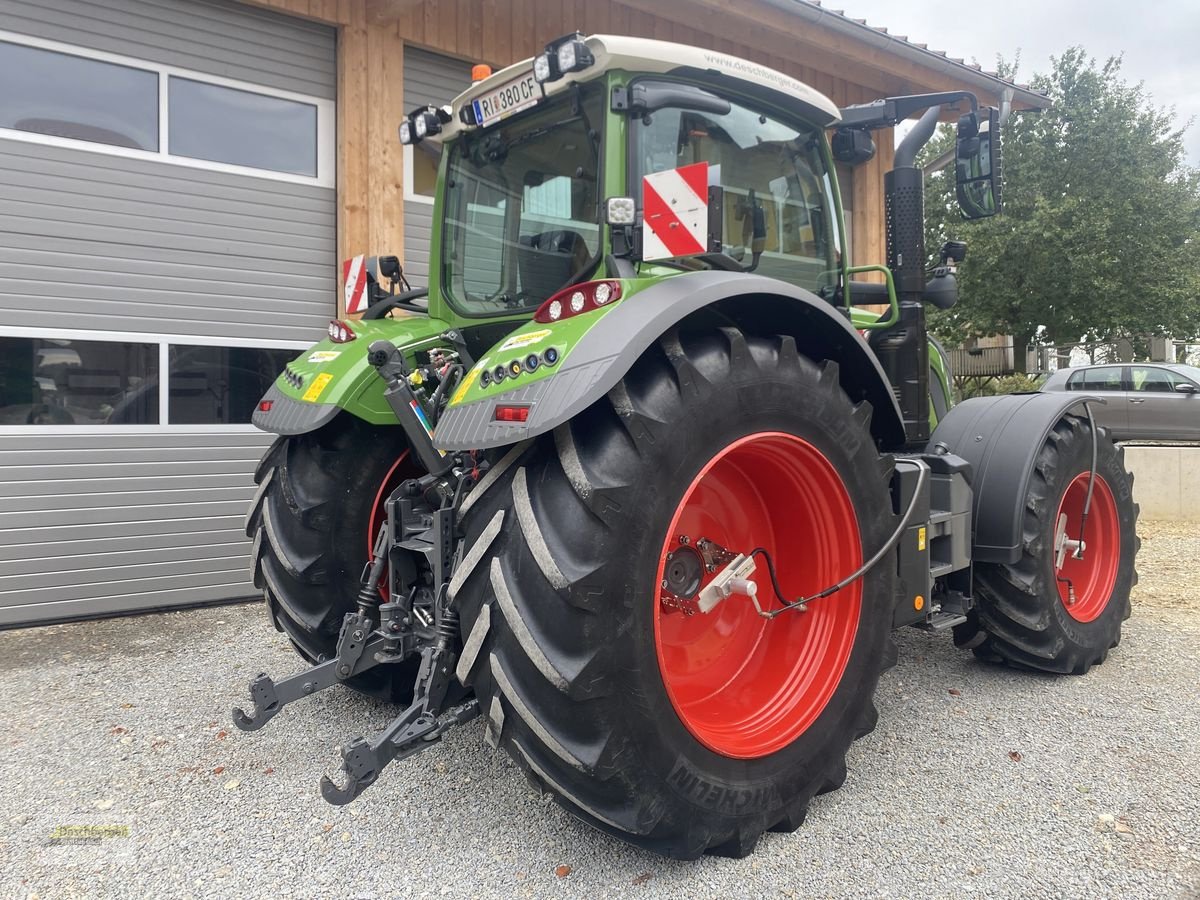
167 240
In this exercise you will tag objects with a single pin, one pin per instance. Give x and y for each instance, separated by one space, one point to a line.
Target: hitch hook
410 733
266 704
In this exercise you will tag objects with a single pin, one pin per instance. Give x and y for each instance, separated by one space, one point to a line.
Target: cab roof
647 56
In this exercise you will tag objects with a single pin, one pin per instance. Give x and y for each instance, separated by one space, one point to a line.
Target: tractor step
941 621
950 610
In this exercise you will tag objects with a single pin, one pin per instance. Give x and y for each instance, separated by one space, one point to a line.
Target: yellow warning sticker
524 340
920 539
461 392
317 386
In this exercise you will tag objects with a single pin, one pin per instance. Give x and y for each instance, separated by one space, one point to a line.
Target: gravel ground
977 781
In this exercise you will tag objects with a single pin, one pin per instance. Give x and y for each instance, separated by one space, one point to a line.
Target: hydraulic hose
435 402
1087 501
801 603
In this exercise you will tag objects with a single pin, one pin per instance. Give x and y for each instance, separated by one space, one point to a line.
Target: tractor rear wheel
1051 610
314 518
677 730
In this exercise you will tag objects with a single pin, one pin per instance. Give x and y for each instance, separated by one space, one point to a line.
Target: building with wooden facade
396 54
178 181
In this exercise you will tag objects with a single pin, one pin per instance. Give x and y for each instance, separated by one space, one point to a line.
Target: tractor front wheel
678 730
1059 608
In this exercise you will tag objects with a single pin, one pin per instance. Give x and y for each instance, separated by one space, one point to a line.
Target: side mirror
852 146
977 164
1186 387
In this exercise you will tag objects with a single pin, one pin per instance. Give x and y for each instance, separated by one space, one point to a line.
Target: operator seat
548 260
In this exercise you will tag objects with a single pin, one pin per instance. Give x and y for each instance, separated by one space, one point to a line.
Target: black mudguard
1001 438
286 416
593 367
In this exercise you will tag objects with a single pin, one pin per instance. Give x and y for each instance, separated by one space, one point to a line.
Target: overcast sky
1160 39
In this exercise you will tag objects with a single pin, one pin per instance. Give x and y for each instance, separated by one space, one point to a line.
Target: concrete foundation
1166 482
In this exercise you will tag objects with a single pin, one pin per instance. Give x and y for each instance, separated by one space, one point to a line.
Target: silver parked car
1146 401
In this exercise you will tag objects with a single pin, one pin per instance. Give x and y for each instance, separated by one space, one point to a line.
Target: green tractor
640 480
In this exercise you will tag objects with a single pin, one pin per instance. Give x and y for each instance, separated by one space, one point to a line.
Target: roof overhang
971 77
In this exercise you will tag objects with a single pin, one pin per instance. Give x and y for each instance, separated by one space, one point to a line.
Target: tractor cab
545 167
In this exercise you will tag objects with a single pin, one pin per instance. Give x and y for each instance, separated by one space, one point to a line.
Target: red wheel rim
1092 578
746 686
375 519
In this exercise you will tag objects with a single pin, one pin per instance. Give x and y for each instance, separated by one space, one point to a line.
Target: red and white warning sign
354 274
675 212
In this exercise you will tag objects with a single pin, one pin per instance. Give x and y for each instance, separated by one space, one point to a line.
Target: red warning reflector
512 414
675 212
354 274
264 405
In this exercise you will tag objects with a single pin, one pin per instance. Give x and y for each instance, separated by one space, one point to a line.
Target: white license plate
511 97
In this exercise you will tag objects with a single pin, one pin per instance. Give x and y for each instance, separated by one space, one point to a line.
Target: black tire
1020 618
309 524
557 615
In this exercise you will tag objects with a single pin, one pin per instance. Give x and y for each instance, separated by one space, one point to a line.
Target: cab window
773 178
522 208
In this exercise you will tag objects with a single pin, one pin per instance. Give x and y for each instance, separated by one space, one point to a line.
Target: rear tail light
512 414
340 333
579 298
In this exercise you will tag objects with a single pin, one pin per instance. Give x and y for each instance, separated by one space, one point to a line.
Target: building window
55 381
57 94
58 379
220 385
243 128
421 163
68 96
429 78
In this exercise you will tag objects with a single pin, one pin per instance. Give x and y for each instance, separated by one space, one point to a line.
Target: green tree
1100 235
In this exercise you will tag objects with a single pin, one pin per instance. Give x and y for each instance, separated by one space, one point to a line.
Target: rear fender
1001 438
328 378
597 360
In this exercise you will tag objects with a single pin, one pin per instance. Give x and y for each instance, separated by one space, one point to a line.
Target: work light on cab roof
566 54
423 122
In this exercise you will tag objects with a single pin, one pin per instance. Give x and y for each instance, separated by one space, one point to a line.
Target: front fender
1001 438
592 364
